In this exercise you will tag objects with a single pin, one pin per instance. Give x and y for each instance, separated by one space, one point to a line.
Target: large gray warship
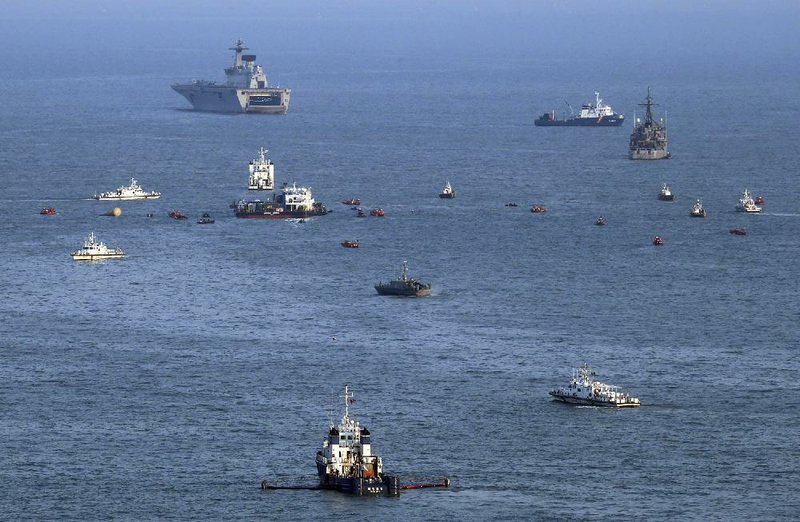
649 137
246 89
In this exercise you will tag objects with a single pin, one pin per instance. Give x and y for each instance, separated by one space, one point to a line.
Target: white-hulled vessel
665 194
346 463
94 250
447 192
746 203
583 389
129 193
697 210
262 172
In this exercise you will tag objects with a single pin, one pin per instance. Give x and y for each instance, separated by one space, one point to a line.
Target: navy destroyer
649 138
596 114
246 89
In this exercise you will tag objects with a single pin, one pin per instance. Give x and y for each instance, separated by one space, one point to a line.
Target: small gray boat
404 285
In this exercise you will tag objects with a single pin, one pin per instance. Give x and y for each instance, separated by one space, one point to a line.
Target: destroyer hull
580 122
591 402
649 154
212 98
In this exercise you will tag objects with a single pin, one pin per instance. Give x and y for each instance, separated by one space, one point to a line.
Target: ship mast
239 48
648 117
348 397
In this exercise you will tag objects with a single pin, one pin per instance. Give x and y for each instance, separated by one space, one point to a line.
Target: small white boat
129 193
697 210
447 192
665 194
94 250
746 203
583 389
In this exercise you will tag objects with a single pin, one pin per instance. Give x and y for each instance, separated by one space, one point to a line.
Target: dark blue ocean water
169 384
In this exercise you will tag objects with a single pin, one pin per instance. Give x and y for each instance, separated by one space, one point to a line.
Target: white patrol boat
447 192
665 194
697 210
262 172
746 203
585 390
346 463
129 193
246 89
94 250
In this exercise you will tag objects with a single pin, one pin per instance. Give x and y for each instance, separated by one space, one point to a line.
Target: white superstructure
746 203
597 110
94 250
262 172
697 210
132 192
583 389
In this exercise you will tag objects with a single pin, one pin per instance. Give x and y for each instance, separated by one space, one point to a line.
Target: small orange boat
48 211
538 209
377 212
177 214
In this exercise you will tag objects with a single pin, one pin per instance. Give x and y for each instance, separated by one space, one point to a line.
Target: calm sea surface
169 384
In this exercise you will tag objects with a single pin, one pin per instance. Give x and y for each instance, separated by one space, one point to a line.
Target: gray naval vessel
246 89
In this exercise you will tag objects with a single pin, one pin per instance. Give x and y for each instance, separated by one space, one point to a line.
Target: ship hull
278 215
89 257
649 154
223 99
386 485
125 198
581 122
424 292
592 402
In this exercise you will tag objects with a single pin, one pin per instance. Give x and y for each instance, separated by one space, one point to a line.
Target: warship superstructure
649 138
246 89
346 463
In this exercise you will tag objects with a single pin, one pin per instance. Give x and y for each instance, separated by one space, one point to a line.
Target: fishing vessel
404 285
746 204
657 241
205 219
665 194
538 209
292 202
177 215
649 138
585 390
48 211
377 212
132 192
697 210
94 250
350 243
262 172
447 192
246 89
596 114
738 231
600 221
346 462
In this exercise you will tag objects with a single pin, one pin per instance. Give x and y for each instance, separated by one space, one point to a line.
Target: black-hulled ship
292 202
596 114
404 285
649 138
346 463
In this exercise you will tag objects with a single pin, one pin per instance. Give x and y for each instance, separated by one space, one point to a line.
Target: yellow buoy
116 212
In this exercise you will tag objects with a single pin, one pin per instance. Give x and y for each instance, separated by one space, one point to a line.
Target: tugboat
447 192
538 209
697 210
246 89
350 243
584 390
205 219
262 172
353 202
600 221
649 138
48 211
377 212
666 193
746 204
292 202
346 463
404 285
177 214
94 250
129 193
596 114
657 241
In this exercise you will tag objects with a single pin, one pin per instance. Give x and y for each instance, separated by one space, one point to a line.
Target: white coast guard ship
131 192
246 89
262 172
583 389
747 204
94 250
346 463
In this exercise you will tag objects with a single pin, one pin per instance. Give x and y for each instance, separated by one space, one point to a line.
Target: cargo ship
246 89
596 114
649 137
291 202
